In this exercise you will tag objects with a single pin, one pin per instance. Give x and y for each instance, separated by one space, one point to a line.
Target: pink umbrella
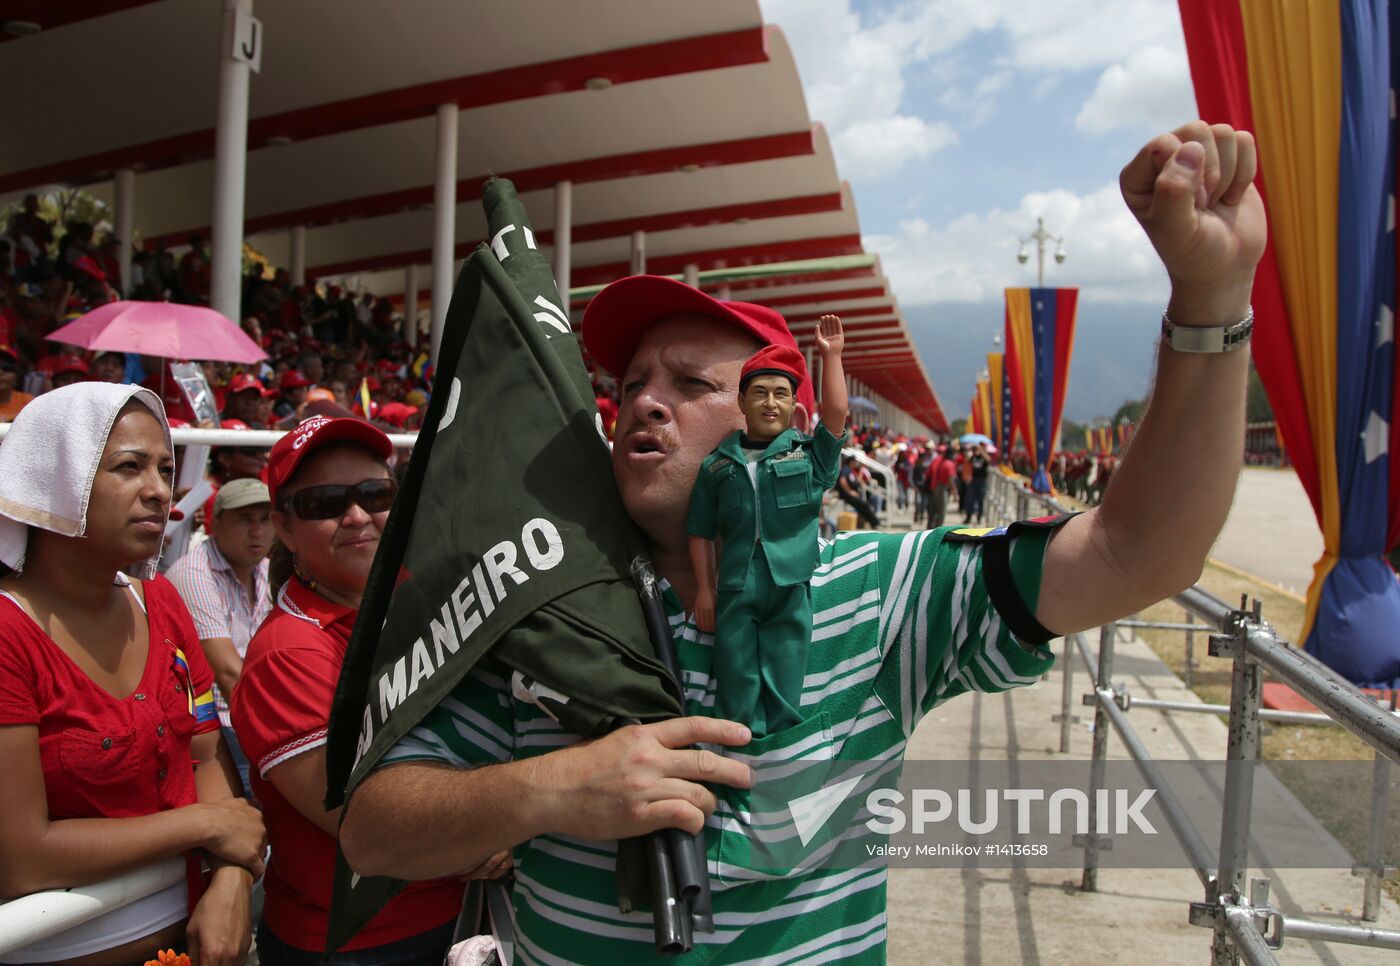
165 329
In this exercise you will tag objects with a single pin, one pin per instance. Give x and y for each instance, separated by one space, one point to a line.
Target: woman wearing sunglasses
331 491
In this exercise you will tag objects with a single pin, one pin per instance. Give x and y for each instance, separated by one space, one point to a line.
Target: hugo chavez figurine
760 491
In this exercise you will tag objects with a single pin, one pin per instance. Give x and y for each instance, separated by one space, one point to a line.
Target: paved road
1271 531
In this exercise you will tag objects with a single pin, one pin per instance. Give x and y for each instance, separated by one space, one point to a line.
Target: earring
301 574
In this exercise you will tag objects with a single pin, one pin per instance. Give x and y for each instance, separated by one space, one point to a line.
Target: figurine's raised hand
831 338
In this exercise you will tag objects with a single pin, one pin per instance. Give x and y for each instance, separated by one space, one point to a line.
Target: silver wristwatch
1211 338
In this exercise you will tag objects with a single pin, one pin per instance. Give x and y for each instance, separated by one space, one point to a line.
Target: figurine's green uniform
763 501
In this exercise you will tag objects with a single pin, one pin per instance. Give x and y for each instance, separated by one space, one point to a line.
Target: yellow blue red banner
1039 339
1314 82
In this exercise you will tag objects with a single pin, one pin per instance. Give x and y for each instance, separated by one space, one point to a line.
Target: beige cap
240 493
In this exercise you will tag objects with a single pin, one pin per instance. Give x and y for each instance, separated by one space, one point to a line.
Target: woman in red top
113 759
331 492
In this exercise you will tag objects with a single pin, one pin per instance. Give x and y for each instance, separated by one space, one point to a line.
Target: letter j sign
247 40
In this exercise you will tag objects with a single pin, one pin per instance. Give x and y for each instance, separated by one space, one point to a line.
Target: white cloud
1151 91
973 257
878 147
854 72
1068 35
853 78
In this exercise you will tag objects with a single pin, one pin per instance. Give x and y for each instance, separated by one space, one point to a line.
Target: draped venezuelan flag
1039 337
982 405
1313 81
1125 432
1008 425
996 386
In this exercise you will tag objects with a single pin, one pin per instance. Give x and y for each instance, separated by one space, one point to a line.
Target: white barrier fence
43 915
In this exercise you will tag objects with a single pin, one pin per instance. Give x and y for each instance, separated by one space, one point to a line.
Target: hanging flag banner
1313 82
1125 433
1008 424
1039 338
996 383
982 405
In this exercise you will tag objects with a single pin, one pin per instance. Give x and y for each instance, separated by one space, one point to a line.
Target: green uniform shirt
901 623
778 506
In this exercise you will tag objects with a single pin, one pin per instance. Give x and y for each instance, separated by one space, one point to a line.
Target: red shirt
281 708
107 757
943 472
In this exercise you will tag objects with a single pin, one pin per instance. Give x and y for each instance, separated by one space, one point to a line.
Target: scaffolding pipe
1375 841
1265 714
1161 625
1195 847
1325 688
1067 694
1090 880
1337 933
1239 923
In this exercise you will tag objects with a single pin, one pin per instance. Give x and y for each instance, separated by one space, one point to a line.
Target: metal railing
1244 924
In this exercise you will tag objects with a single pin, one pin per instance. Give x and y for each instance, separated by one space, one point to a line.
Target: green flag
508 536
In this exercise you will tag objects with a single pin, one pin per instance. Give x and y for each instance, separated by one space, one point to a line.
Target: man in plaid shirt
223 582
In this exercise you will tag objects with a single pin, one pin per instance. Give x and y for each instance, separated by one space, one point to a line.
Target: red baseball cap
70 363
397 413
778 360
246 383
5 350
620 315
389 367
293 379
288 452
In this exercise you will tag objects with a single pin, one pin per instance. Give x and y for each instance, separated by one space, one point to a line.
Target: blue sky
957 122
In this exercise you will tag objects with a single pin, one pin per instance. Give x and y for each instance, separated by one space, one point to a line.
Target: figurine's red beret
775 360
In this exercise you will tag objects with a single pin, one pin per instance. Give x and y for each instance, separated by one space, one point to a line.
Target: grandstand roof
689 125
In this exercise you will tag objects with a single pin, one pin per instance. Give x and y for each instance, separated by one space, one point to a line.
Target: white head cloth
49 459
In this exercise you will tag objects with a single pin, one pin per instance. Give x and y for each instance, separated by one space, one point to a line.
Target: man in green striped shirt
901 622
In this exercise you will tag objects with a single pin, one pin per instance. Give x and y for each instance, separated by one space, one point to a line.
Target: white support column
444 219
230 163
297 244
563 238
692 275
126 221
410 305
637 259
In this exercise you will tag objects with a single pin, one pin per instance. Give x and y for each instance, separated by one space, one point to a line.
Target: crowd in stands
324 344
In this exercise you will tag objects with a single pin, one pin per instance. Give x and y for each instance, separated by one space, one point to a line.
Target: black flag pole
687 851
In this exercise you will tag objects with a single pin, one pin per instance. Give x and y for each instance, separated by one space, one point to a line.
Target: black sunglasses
333 499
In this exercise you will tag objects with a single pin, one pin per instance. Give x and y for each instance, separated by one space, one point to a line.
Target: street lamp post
1040 236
